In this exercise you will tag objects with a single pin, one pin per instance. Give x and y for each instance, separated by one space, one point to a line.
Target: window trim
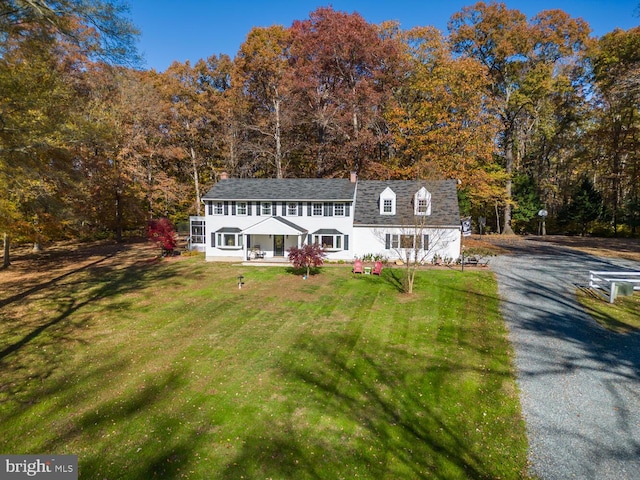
320 208
397 241
198 238
242 209
337 240
292 212
422 195
221 238
387 195
264 210
218 208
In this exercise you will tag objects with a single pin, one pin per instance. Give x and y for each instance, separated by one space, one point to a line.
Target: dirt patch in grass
29 267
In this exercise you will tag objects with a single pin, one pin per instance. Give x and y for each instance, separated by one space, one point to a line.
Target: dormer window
422 202
387 202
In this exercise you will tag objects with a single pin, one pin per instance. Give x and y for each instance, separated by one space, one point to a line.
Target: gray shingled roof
444 198
288 189
444 202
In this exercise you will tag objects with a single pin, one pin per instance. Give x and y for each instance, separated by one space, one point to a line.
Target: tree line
527 113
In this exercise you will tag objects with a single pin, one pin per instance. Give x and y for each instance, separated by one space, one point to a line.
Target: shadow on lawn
33 347
379 413
92 402
66 292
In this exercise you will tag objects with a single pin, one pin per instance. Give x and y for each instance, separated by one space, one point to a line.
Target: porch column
245 237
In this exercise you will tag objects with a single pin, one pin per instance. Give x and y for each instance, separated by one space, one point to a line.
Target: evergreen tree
585 206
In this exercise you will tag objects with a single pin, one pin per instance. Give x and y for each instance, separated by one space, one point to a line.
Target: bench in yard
611 284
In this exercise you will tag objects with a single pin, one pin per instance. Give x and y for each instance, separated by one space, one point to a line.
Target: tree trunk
278 139
119 216
508 156
6 260
196 180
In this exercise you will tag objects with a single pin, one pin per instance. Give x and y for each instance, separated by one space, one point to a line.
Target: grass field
168 370
622 316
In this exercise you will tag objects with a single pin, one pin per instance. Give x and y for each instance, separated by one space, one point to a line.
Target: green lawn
168 370
622 316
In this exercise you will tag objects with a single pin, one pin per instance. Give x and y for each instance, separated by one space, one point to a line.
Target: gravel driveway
579 384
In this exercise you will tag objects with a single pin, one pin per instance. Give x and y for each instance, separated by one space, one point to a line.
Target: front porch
269 240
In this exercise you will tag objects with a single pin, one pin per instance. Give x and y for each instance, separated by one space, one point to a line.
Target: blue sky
195 29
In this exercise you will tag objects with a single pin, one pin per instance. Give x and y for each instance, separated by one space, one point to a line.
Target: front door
278 245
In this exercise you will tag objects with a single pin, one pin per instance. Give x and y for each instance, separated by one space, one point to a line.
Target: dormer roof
444 203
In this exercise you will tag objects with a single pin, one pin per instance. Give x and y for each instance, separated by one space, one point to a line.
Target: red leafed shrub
307 256
162 233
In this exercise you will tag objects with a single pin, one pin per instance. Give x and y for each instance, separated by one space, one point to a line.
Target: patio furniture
357 267
377 268
255 252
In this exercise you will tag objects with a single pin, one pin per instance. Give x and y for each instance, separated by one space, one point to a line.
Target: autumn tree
263 80
195 115
162 233
340 89
308 256
614 136
440 117
119 150
35 165
99 28
524 60
44 47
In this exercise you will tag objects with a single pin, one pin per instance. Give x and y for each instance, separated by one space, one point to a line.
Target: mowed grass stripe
171 371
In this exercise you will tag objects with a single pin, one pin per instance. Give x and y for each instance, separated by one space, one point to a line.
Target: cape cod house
262 218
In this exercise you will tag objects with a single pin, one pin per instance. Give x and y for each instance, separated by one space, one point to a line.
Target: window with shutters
332 242
317 210
292 209
266 208
407 241
228 241
218 208
241 208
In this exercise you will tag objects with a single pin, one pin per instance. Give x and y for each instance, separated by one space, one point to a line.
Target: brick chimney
353 177
224 176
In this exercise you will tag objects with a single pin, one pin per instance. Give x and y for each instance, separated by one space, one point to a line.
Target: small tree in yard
162 233
307 256
416 242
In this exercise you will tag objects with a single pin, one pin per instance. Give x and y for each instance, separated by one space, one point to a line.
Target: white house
255 218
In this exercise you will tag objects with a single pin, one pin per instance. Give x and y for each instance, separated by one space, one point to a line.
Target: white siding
343 224
444 242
